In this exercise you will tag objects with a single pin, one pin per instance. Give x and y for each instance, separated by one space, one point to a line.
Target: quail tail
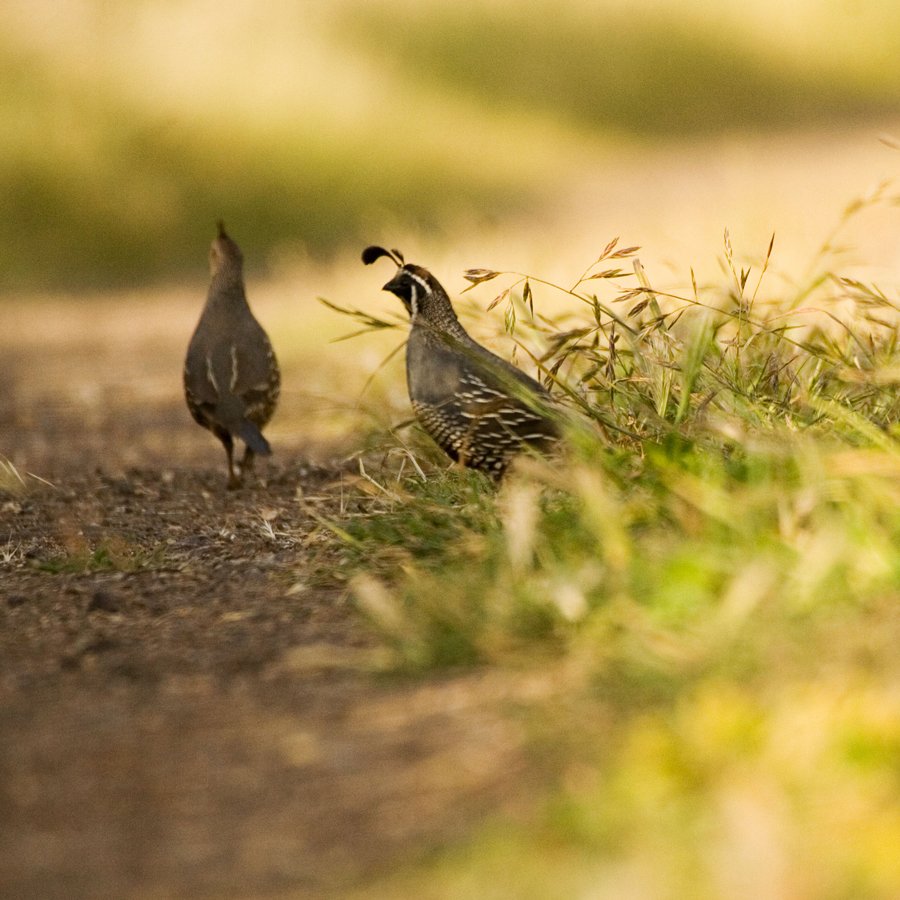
253 438
231 414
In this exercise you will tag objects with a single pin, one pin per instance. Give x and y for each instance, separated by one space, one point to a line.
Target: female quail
476 406
231 377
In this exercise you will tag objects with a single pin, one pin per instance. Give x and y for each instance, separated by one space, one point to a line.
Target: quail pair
476 406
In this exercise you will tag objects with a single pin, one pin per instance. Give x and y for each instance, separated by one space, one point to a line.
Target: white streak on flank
234 368
209 373
414 298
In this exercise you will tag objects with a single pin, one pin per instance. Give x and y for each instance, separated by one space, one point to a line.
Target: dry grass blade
478 276
9 476
503 295
370 322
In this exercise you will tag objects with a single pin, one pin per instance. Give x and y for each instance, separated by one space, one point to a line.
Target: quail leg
247 461
234 476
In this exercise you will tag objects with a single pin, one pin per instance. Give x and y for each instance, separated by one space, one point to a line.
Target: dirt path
188 704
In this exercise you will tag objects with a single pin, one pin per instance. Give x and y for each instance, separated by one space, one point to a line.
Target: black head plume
370 254
221 227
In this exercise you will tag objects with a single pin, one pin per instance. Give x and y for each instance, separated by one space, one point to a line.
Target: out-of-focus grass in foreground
702 595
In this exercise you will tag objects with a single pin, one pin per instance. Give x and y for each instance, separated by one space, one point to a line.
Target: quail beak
394 286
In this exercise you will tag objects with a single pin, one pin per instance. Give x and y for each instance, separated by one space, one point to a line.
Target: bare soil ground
183 712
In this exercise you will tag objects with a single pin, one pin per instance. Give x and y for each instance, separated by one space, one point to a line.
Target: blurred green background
126 130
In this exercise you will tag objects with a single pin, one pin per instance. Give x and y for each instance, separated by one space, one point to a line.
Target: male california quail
477 407
231 377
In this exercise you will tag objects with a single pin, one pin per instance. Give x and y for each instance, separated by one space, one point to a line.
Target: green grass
462 118
99 191
706 585
657 70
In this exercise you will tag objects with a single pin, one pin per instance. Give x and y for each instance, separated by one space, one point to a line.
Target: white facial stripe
414 294
418 280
